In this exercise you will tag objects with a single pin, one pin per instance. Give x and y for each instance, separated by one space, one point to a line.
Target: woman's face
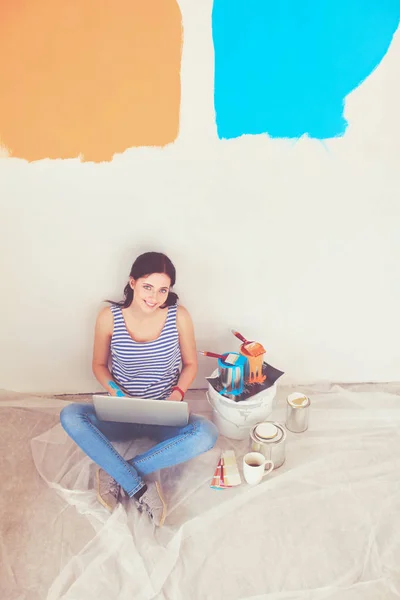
151 291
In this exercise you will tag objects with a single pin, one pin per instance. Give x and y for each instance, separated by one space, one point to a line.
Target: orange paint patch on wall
88 77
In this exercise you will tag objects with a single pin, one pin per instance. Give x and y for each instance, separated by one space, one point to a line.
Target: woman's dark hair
147 264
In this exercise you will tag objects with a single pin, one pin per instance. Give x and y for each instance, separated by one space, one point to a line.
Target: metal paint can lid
266 431
297 400
266 428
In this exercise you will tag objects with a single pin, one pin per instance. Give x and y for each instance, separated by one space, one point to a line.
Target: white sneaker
153 503
108 490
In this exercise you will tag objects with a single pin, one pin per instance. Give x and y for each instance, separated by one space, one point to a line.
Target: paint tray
249 390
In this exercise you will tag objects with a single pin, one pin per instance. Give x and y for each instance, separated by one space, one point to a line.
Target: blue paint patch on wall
284 67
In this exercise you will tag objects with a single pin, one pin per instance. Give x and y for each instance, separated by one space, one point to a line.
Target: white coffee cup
254 465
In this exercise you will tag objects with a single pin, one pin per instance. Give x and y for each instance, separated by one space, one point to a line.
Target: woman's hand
175 396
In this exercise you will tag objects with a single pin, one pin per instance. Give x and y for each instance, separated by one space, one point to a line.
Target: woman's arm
101 351
188 351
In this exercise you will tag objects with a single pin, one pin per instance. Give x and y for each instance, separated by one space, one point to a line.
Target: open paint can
231 372
297 412
269 438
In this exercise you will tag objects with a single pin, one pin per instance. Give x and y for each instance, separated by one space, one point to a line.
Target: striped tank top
146 369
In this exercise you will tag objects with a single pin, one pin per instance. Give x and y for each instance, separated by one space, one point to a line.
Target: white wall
296 245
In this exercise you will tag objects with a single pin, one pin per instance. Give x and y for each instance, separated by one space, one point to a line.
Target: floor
326 525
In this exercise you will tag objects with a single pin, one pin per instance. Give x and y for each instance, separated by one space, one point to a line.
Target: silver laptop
124 409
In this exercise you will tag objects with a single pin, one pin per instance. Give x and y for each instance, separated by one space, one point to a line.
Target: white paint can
235 419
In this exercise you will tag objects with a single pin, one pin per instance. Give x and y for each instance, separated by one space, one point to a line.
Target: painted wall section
88 77
285 68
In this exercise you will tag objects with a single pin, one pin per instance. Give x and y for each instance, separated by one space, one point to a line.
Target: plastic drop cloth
325 526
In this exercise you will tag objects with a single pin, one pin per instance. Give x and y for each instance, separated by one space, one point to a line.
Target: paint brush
249 347
229 359
212 354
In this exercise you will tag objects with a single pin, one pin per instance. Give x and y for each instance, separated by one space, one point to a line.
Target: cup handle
271 468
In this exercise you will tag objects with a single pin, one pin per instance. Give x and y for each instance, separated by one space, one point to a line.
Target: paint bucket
253 371
269 438
234 420
297 412
232 375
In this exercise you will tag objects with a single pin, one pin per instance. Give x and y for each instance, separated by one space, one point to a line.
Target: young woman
147 338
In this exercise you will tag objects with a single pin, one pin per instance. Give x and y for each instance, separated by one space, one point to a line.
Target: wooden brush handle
211 354
239 336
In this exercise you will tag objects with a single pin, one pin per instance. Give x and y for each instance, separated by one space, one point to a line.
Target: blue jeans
175 444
